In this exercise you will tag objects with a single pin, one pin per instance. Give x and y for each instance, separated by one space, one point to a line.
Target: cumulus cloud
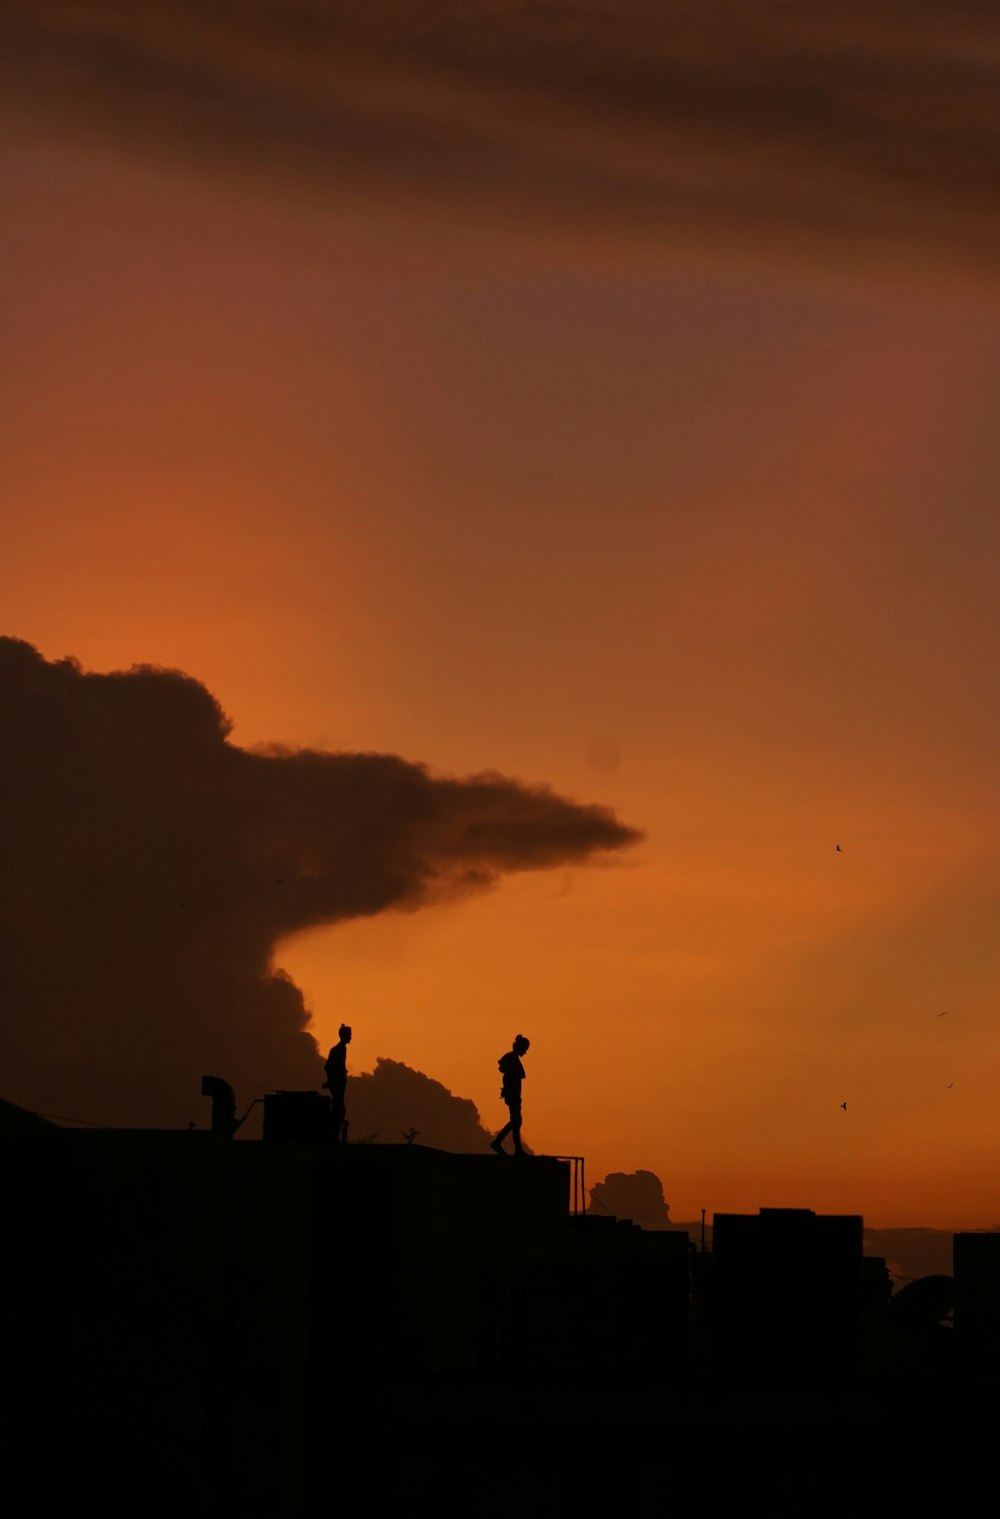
392 1100
148 867
872 124
637 1195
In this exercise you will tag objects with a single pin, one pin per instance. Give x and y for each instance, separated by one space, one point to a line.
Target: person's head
521 1044
345 1034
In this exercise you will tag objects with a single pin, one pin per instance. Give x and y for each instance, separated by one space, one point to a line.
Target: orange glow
715 548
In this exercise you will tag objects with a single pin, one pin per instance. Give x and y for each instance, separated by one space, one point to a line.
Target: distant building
614 1302
977 1305
786 1296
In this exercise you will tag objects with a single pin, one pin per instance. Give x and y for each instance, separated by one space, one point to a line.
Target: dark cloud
637 1195
873 124
386 1103
148 867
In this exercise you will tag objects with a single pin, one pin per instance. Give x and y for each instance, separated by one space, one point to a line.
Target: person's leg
515 1128
496 1143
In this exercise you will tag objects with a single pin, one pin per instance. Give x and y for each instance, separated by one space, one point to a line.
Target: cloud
637 1195
873 125
394 1098
148 868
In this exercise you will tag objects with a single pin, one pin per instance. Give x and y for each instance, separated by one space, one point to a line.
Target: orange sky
710 539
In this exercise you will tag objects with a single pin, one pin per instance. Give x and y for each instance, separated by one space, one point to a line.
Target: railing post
579 1182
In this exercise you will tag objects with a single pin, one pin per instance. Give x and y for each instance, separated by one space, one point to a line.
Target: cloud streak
865 128
148 868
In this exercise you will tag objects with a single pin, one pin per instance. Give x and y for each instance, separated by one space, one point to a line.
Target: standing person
336 1082
513 1074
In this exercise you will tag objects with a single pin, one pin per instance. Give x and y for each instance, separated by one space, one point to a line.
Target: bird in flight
948 1085
839 850
942 1015
844 1106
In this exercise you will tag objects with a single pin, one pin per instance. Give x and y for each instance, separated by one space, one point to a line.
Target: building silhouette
977 1305
228 1314
786 1296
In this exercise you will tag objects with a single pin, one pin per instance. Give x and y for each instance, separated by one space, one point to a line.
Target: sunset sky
601 394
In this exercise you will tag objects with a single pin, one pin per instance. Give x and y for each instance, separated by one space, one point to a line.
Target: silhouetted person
513 1074
336 1082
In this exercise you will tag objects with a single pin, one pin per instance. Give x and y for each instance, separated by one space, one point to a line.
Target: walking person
336 1083
512 1072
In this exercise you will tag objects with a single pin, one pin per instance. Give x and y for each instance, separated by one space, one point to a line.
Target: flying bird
839 850
844 1106
942 1015
948 1085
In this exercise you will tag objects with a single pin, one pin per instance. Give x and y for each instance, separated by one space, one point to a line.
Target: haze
431 391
